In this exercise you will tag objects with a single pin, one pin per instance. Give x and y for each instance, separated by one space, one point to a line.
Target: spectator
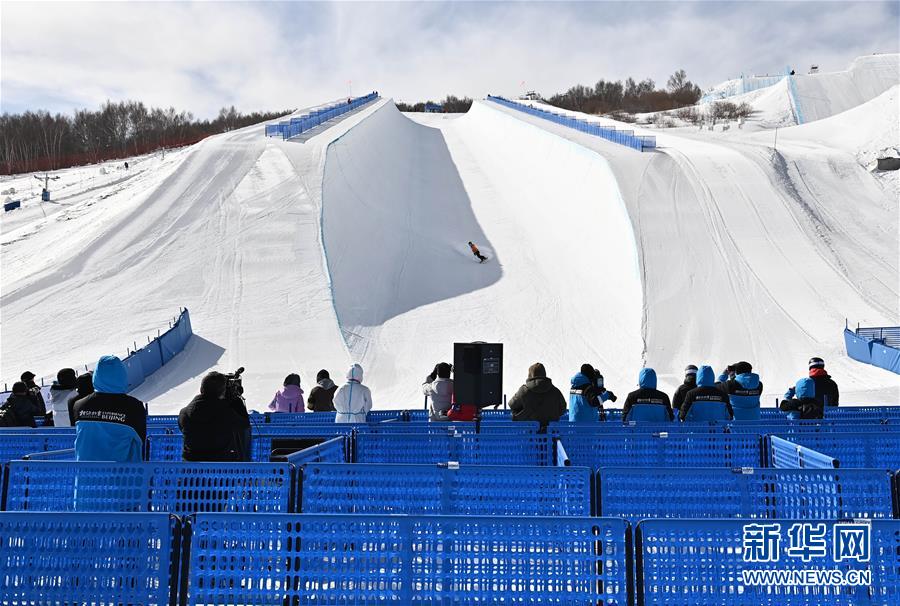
439 387
587 394
744 391
290 397
690 382
538 399
826 389
84 387
18 410
34 393
62 389
213 430
706 402
647 403
800 401
109 424
321 397
352 400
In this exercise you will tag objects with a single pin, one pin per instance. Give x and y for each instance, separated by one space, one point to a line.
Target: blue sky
273 55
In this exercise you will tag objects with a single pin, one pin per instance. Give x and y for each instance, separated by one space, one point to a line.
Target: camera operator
215 425
587 395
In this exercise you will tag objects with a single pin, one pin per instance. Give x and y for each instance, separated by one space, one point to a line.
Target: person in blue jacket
647 403
800 401
110 425
706 402
744 391
587 395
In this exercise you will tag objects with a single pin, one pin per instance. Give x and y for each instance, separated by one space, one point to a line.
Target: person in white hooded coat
63 388
352 400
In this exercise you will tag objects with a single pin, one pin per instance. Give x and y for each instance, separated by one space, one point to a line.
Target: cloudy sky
273 55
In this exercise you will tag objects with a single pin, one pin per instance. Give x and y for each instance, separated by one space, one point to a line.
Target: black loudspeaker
478 373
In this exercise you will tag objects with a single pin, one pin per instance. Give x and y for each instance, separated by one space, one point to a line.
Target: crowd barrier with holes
301 124
473 449
880 450
784 454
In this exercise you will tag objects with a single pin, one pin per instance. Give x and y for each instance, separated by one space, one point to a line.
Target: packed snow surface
351 245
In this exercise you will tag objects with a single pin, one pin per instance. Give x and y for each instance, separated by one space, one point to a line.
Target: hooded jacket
690 382
441 393
109 424
352 400
583 399
744 391
538 399
321 397
18 411
287 399
84 386
647 396
801 403
706 402
827 393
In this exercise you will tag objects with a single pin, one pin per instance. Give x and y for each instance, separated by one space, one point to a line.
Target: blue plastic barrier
335 450
627 137
74 558
15 445
473 449
886 357
858 348
376 416
161 487
296 418
353 559
635 493
700 563
784 454
663 450
879 450
300 124
447 490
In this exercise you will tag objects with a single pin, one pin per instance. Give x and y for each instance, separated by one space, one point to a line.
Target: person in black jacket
827 393
321 398
538 399
84 386
211 425
18 410
690 382
646 394
706 391
34 392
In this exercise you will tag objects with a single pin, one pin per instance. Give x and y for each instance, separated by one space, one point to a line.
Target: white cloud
201 56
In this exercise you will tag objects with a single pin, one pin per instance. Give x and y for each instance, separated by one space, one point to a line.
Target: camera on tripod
234 389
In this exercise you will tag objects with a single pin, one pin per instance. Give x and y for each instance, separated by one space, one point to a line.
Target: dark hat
690 369
588 371
816 362
322 374
537 371
66 378
19 388
292 379
443 370
213 385
742 368
27 376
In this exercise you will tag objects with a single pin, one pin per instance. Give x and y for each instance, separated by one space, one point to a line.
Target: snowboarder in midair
477 253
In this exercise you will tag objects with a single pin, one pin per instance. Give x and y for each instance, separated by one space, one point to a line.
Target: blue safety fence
335 450
622 137
446 489
879 346
296 418
702 562
878 450
636 493
473 449
15 444
176 488
784 454
301 124
365 559
75 558
663 450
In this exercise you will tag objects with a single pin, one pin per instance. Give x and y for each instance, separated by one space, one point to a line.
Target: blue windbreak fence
662 450
636 493
364 559
879 346
74 558
176 488
472 449
871 450
784 454
702 562
622 137
301 124
446 489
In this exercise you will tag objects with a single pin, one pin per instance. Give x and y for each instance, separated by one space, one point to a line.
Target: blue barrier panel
564 428
886 357
335 450
375 416
661 450
74 558
854 450
858 348
15 445
350 559
475 449
636 493
289 418
784 454
422 427
162 487
701 562
168 420
449 490
174 340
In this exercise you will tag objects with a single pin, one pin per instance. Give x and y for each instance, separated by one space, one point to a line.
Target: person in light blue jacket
110 425
586 396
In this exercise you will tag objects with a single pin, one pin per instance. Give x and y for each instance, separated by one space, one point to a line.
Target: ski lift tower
45 193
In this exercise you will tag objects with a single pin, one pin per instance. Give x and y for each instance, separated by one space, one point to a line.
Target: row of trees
607 97
42 141
450 105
